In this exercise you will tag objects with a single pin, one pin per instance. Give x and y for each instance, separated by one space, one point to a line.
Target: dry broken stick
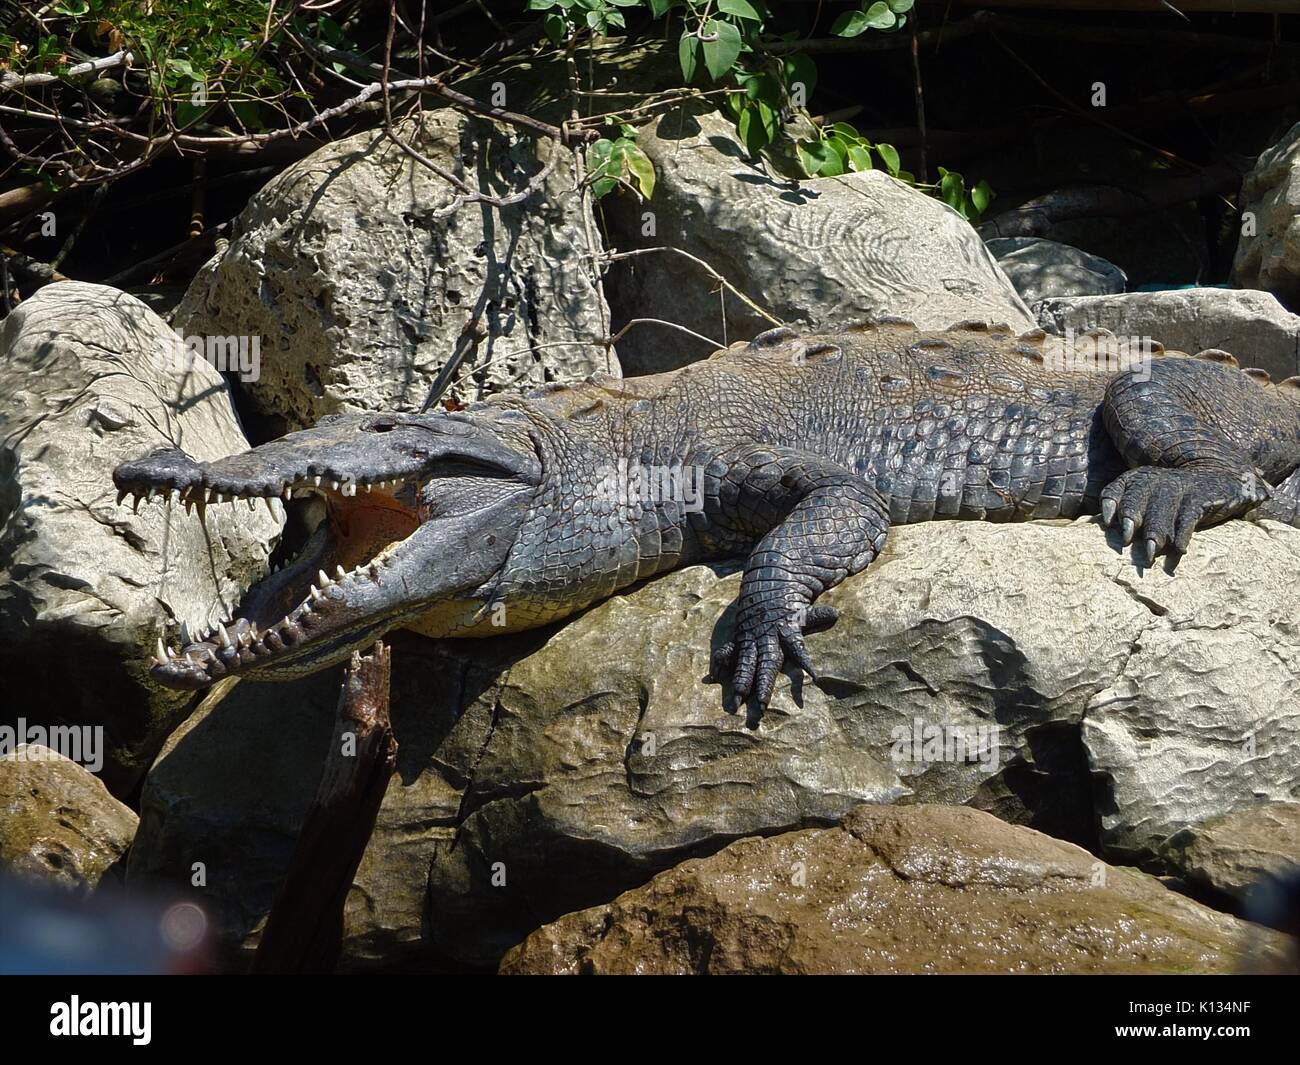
304 931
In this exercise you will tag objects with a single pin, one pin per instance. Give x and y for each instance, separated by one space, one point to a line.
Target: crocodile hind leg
1203 441
818 524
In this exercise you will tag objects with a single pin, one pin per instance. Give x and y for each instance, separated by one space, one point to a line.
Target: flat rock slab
89 377
893 890
1253 326
1041 269
58 823
362 272
1235 854
547 772
820 253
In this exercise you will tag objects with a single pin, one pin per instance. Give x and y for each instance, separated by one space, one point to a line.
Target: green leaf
752 134
557 28
659 8
800 68
842 152
187 114
879 17
539 5
846 133
982 195
898 7
859 158
598 155
183 68
72 8
249 113
760 87
758 126
952 190
688 55
850 24
720 54
820 159
740 8
638 163
889 154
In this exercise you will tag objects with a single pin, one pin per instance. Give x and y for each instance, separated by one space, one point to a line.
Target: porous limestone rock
90 377
893 890
58 823
1268 250
1253 326
1029 670
821 253
363 272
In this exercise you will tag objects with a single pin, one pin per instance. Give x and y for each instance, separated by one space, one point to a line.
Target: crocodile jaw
422 532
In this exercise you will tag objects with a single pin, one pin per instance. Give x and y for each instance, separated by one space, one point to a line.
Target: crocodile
794 451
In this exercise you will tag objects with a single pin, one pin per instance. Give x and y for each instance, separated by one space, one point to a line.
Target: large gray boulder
89 377
1268 251
997 666
823 252
58 823
1238 853
1041 269
363 272
901 890
1257 329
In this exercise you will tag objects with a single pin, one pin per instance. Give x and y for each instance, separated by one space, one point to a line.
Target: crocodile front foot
769 626
1169 504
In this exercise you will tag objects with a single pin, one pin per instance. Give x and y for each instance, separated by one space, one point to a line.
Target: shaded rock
58 823
362 277
823 252
1269 256
1257 329
1045 268
920 889
88 378
987 665
1232 854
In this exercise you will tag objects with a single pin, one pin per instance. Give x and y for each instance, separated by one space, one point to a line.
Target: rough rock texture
1257 329
362 280
87 379
920 889
1229 855
822 253
1270 259
588 757
1041 269
57 821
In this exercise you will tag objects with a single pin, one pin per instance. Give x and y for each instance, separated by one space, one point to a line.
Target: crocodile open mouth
349 530
397 515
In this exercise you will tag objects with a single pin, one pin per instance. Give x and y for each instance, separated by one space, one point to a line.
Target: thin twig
610 257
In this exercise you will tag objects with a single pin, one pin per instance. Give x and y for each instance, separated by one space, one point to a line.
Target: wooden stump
304 930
